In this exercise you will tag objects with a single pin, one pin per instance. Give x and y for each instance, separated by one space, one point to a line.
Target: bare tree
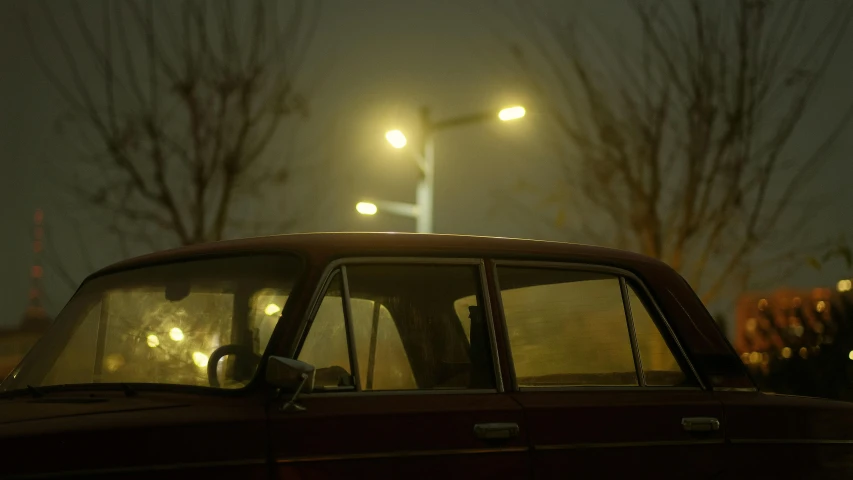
172 107
679 143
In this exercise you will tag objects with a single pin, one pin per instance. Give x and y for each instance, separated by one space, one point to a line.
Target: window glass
566 328
267 306
77 361
325 345
161 324
463 307
382 360
420 341
659 364
149 336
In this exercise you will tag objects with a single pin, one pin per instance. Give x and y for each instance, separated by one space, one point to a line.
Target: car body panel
136 431
813 436
170 435
417 435
622 432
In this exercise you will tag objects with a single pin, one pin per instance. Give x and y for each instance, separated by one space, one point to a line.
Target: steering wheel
225 350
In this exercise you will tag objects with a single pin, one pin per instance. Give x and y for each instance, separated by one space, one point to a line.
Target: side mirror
290 375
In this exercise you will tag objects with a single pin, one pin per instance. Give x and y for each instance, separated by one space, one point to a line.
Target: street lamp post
425 192
422 209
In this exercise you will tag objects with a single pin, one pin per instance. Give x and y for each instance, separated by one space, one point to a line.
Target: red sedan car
400 355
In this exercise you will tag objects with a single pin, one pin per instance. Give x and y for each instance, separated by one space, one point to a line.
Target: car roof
328 246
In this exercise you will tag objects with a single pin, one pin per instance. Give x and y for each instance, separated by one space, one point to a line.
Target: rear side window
566 328
660 367
574 328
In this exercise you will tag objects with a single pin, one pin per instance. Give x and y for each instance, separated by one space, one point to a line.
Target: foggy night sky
388 58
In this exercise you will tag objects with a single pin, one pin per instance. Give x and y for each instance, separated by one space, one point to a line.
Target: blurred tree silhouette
187 100
677 144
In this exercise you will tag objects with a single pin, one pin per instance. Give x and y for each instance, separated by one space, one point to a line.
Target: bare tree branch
189 96
681 142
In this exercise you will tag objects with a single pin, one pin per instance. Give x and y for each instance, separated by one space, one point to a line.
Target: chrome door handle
700 424
496 431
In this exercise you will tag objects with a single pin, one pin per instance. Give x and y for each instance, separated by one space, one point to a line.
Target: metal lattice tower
35 316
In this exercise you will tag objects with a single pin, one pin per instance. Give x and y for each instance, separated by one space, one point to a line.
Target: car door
606 389
406 379
783 436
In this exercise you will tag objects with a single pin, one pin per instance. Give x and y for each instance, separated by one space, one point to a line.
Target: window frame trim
340 265
622 275
632 332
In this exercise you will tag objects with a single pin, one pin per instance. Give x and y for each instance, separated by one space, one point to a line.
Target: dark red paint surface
636 433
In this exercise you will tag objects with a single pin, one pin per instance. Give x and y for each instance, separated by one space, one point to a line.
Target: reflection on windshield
163 324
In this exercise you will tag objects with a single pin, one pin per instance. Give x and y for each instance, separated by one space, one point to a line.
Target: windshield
164 324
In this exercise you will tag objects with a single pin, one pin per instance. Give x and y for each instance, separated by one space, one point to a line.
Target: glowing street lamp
421 210
511 113
366 208
396 138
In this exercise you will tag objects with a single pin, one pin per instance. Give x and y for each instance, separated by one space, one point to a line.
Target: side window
660 367
382 366
420 343
566 328
382 360
407 329
463 308
325 346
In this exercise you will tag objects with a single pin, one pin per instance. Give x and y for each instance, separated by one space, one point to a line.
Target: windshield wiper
41 392
35 392
29 390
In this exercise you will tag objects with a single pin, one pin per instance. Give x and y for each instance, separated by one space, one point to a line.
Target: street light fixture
396 138
511 113
421 210
366 208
